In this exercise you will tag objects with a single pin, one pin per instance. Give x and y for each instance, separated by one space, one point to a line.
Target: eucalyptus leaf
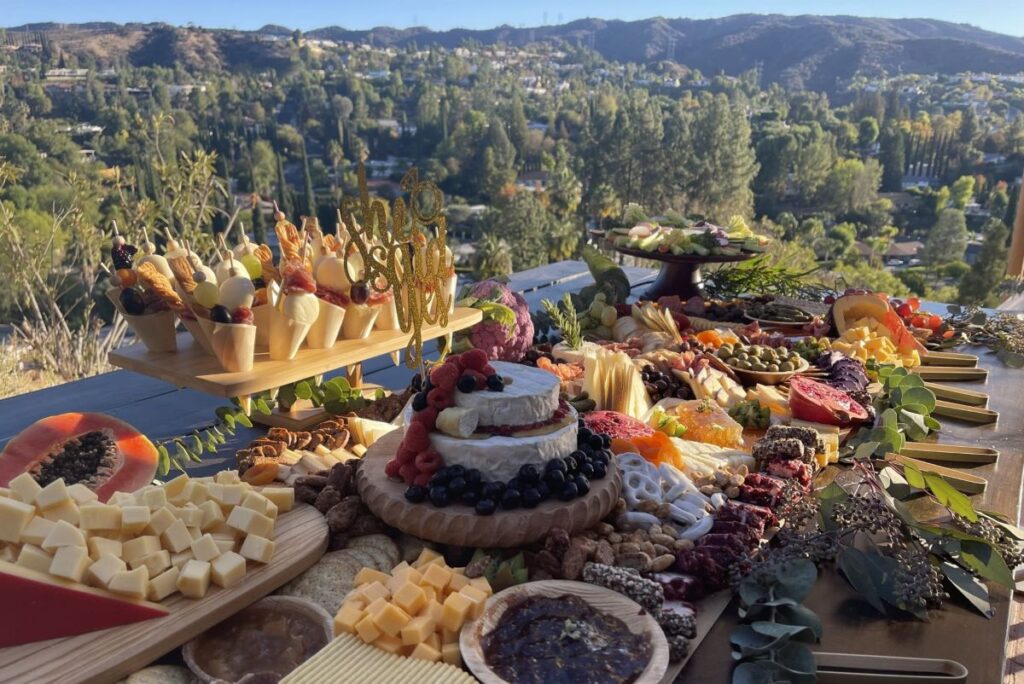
796 580
932 423
800 615
949 497
197 444
1010 358
303 390
914 477
866 450
911 381
243 419
758 672
987 562
797 659
827 499
853 563
752 592
262 406
750 643
919 395
775 630
164 462
888 418
895 484
969 586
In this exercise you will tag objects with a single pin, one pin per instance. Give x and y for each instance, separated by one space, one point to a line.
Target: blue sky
1005 17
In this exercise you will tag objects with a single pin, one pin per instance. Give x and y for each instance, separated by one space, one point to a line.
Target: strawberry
391 468
445 376
439 399
416 438
428 461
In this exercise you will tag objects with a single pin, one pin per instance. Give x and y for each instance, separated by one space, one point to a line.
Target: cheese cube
34 558
434 641
389 644
191 515
103 569
96 516
250 522
36 531
134 519
400 576
67 511
227 477
417 631
227 494
194 532
426 557
227 569
163 585
179 559
477 598
347 618
116 499
457 581
212 514
176 537
367 575
376 606
194 579
160 520
282 497
81 494
5 493
454 613
156 498
257 548
410 598
205 548
367 630
257 502
373 591
450 654
155 562
425 651
222 529
70 562
174 488
139 547
64 534
132 583
26 488
437 575
225 544
391 619
53 494
195 492
449 637
483 585
101 545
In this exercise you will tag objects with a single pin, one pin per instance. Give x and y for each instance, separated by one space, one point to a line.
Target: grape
596 308
600 297
603 332
609 316
253 266
206 294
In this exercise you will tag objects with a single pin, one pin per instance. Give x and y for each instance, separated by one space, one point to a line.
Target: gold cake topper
401 255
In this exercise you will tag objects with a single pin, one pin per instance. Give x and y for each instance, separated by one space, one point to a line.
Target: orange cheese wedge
37 606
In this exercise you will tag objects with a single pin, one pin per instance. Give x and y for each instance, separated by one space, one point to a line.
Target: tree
969 127
564 190
523 223
962 191
867 130
518 127
998 202
493 258
284 198
978 285
262 166
839 240
893 157
723 162
947 240
308 194
852 186
498 162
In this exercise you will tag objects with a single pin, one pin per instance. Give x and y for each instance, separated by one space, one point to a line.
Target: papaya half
105 454
850 308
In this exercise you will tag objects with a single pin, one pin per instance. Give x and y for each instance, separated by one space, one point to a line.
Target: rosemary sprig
565 320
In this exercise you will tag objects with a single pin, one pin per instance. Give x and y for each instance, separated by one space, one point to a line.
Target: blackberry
495 383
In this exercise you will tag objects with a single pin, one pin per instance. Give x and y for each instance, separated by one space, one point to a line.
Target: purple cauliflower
506 332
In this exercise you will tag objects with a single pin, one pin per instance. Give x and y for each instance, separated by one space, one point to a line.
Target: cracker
327 582
363 557
380 544
162 674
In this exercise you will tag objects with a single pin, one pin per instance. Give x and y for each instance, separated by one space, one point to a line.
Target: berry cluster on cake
494 435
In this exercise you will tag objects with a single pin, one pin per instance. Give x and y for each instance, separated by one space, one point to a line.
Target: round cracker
381 542
409 547
162 674
363 557
327 582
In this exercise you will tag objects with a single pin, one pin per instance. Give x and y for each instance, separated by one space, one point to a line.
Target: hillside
804 51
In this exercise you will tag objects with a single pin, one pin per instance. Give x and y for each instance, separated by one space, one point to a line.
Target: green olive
786 366
773 368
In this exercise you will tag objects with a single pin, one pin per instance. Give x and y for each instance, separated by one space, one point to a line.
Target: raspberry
416 438
474 359
481 379
488 370
445 376
422 479
391 468
427 417
428 461
405 454
439 399
408 472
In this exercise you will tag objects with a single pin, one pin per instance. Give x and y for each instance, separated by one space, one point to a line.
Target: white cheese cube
53 494
229 494
9 553
36 531
70 562
163 585
155 562
96 516
139 547
160 520
103 569
34 558
118 499
223 529
225 544
81 494
26 488
227 570
227 477
258 548
205 548
212 514
259 503
176 537
14 518
250 522
64 534
174 488
195 533
5 493
134 519
179 559
67 511
283 497
191 515
100 546
155 498
194 579
195 492
132 583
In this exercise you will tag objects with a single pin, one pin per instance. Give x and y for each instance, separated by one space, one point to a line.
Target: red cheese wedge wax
36 607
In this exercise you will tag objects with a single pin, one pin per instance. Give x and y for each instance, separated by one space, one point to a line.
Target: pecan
300 440
663 539
315 440
589 545
306 494
315 481
638 561
338 440
341 515
280 434
573 561
327 499
557 542
340 477
662 562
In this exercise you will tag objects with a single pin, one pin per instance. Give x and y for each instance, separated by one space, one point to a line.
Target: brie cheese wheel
530 397
301 308
458 422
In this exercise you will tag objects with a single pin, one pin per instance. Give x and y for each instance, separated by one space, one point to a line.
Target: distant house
66 74
185 88
84 129
897 254
537 126
395 126
532 181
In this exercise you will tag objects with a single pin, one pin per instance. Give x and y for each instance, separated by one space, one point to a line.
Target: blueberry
440 478
571 464
456 471
416 494
584 435
511 499
416 384
580 424
599 472
456 486
531 498
427 386
528 474
493 490
218 314
466 384
606 441
473 477
605 454
495 383
582 484
514 483
555 464
586 449
586 470
439 496
419 402
485 507
596 441
543 489
578 455
470 497
568 492
555 479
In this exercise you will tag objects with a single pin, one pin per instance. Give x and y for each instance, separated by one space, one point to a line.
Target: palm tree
493 257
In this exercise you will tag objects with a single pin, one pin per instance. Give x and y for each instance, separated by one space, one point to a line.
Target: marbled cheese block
499 458
530 397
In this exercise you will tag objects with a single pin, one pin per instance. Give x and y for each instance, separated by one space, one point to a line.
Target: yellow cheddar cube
194 579
391 619
282 497
15 516
37 530
52 495
477 597
250 522
375 606
163 585
400 575
347 618
410 598
373 591
101 571
134 519
257 548
483 585
432 610
34 558
155 563
457 581
227 569
212 514
431 594
139 547
453 614
389 644
367 575
418 630
367 630
426 652
132 583
450 654
437 575
227 477
426 557
205 548
97 516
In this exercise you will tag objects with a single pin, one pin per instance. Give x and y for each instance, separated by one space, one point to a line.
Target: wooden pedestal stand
679 275
191 367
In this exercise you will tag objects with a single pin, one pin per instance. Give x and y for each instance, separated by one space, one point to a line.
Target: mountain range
809 51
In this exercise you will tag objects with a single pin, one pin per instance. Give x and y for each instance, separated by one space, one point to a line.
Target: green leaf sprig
565 319
177 452
904 409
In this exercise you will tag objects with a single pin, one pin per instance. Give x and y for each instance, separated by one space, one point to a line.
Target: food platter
459 525
636 619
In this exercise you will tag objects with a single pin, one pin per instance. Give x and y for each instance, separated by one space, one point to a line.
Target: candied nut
604 553
326 499
732 492
478 567
557 542
638 561
589 534
573 561
708 490
663 511
317 482
743 470
663 539
340 477
604 529
647 506
647 547
306 494
654 529
627 547
615 538
339 440
736 480
721 477
620 507
669 531
588 545
682 544
546 560
660 549
300 440
315 440
341 515
662 562
279 434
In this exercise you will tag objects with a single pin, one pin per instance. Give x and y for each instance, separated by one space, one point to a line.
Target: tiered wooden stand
191 367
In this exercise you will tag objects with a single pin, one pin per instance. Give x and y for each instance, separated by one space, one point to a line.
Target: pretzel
331 243
637 486
181 267
157 283
288 237
266 258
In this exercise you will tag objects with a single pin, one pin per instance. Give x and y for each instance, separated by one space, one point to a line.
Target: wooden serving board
111 654
947 358
964 482
950 453
958 395
191 367
460 525
950 373
971 414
